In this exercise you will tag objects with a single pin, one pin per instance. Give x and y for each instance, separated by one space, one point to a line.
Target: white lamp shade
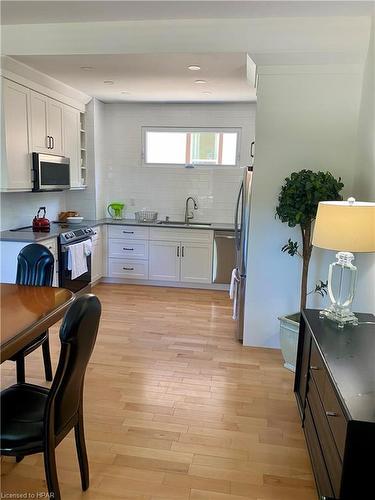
345 226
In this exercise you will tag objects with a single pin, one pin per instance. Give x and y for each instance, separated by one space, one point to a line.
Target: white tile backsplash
115 152
19 209
165 189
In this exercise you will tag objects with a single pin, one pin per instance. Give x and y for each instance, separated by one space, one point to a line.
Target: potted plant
298 203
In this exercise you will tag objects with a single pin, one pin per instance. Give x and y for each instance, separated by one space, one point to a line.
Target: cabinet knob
312 367
127 249
331 414
128 268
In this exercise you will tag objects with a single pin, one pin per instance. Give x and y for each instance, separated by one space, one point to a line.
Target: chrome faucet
191 215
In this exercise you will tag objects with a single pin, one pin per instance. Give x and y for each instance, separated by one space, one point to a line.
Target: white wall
18 209
364 180
306 118
165 189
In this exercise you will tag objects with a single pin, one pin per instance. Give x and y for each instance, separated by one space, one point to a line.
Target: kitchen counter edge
31 237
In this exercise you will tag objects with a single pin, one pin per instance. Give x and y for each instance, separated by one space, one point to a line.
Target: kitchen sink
181 223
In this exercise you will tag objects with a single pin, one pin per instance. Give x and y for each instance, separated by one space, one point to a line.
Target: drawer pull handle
314 367
128 249
128 268
331 414
128 232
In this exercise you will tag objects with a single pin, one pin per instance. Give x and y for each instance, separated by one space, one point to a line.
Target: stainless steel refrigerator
241 231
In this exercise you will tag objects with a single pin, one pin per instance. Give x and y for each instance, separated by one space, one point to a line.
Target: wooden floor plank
175 408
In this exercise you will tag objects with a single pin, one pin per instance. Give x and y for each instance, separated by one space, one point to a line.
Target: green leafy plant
298 203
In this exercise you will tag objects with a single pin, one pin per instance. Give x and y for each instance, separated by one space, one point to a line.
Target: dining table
26 312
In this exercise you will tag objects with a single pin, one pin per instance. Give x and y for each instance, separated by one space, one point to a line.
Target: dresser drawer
327 444
132 249
335 416
129 232
320 470
317 369
128 268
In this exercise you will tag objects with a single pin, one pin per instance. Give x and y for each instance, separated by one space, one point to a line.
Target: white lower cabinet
8 258
196 262
128 252
52 247
97 255
164 261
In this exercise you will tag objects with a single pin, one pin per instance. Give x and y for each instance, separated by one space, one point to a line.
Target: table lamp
346 226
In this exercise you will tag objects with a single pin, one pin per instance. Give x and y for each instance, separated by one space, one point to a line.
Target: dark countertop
349 355
30 237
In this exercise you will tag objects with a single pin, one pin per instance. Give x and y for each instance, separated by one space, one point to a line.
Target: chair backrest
35 266
77 335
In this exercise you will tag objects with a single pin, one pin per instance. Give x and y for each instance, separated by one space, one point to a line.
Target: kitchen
105 146
128 153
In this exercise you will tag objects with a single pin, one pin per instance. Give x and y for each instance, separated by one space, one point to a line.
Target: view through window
190 146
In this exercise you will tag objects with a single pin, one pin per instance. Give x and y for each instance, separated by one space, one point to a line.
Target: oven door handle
64 248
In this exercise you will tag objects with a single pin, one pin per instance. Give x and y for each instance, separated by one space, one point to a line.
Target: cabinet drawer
128 232
331 456
176 234
335 416
132 249
317 369
321 474
128 268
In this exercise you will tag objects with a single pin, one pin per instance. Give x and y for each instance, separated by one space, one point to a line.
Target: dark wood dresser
335 391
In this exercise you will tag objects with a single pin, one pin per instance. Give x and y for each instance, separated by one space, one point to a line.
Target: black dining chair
34 267
35 419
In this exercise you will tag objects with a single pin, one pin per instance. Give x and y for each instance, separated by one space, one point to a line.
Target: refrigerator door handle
236 228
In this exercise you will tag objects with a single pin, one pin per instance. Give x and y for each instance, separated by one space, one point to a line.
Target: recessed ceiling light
200 82
207 93
125 92
194 67
87 68
108 82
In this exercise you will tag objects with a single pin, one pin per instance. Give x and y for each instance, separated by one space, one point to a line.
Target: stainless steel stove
82 283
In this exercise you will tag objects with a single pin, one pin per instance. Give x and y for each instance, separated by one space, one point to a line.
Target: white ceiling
49 11
150 77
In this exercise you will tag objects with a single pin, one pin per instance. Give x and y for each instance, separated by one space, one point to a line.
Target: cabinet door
97 260
39 127
164 261
72 139
55 126
16 158
196 262
52 247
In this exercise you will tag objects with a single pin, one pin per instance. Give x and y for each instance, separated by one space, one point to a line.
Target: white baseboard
173 284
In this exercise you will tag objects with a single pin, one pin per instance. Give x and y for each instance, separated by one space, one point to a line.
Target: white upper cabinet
34 122
55 126
72 138
40 141
16 161
46 124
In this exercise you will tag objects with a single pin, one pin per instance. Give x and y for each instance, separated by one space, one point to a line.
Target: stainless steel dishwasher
224 259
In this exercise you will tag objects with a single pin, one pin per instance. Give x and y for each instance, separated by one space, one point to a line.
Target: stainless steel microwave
50 172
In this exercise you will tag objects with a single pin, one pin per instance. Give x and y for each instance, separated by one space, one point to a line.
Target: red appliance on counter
41 223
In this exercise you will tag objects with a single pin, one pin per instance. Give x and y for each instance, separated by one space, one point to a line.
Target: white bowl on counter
74 220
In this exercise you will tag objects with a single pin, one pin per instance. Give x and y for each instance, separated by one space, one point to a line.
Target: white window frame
223 130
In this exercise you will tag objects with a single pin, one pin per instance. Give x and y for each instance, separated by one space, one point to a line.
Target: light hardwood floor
175 407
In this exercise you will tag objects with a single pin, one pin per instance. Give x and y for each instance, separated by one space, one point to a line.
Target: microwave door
50 173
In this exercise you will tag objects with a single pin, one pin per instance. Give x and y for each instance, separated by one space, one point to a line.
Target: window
190 147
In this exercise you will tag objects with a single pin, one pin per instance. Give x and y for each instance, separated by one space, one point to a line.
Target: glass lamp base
341 285
342 317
